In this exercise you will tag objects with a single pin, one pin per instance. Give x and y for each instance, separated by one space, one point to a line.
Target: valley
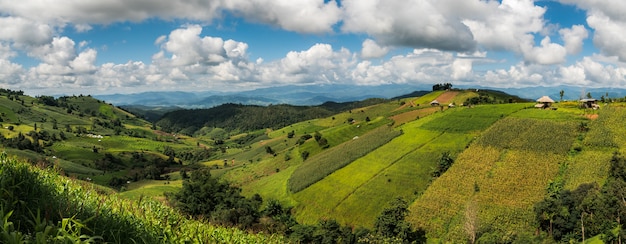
472 167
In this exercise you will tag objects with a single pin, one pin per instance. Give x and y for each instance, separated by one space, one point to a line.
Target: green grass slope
41 206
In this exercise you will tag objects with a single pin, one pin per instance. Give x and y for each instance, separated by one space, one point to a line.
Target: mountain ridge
318 94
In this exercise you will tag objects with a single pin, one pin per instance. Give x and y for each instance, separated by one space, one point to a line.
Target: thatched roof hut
589 103
545 99
434 103
544 102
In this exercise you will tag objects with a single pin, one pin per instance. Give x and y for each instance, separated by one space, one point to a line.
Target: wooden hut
589 103
544 102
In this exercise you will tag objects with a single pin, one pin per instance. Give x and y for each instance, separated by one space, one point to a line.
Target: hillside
477 167
245 118
39 206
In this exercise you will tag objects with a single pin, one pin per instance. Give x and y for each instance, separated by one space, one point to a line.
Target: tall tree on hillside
561 93
390 223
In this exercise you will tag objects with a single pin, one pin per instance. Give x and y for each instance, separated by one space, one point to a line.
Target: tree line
588 210
244 118
206 197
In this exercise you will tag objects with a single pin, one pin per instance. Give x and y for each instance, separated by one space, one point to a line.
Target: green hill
487 171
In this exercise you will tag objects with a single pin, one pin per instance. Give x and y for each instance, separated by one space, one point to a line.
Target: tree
561 93
445 162
390 223
588 94
204 196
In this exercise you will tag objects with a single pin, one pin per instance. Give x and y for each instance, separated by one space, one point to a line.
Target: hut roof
588 100
545 99
434 102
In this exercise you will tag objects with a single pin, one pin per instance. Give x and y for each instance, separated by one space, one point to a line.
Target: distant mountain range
318 94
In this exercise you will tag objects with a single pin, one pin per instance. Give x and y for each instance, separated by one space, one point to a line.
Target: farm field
321 165
346 166
504 173
401 167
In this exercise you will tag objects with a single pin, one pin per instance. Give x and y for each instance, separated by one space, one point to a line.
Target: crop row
323 164
531 135
472 119
503 174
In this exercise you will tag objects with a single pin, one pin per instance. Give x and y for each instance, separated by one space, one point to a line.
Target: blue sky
101 47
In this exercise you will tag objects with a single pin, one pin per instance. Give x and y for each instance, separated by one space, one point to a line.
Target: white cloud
307 16
461 68
507 26
415 23
573 38
371 49
10 73
609 35
608 19
84 62
186 47
548 53
59 52
24 32
591 73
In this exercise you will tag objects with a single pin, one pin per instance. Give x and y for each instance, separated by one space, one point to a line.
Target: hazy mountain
295 95
318 94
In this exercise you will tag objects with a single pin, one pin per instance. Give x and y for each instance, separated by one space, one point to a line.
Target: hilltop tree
561 93
442 87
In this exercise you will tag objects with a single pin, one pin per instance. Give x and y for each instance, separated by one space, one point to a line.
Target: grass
320 199
401 167
150 188
472 119
71 167
588 166
321 165
32 195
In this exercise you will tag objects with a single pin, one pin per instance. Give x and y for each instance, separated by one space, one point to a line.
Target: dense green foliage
391 224
588 210
203 196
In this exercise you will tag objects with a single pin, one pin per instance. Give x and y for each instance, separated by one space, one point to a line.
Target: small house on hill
589 103
434 103
544 102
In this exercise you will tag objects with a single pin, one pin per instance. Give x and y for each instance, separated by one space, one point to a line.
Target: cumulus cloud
309 16
415 23
589 72
607 18
371 49
185 47
316 65
548 53
573 38
507 26
24 32
609 35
